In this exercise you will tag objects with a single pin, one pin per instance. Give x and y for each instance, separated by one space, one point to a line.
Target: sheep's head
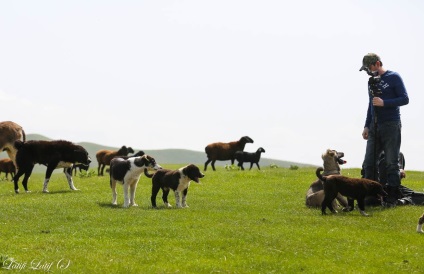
246 139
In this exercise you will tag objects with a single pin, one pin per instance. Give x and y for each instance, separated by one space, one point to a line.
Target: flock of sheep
10 131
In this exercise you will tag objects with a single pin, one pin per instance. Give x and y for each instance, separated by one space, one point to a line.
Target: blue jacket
394 95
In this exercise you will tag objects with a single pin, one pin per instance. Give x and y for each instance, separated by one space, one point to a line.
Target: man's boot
393 195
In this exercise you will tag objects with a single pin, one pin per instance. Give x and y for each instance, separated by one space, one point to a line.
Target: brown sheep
225 151
104 157
7 166
9 133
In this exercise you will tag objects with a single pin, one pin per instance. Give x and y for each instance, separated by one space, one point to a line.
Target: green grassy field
237 222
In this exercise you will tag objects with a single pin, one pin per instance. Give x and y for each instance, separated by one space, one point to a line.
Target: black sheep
253 158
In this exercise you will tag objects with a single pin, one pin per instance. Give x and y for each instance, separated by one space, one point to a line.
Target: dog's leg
68 174
342 200
177 199
327 202
361 205
126 196
184 198
133 188
165 198
420 224
114 193
50 167
350 205
155 190
16 179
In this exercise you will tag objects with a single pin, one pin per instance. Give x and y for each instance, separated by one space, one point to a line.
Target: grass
238 222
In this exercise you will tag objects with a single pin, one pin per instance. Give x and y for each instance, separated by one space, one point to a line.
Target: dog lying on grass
177 180
315 194
420 224
353 188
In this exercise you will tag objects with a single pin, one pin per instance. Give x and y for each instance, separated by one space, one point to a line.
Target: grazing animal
7 166
353 188
53 154
332 160
105 156
224 151
420 224
252 158
127 172
79 167
177 180
9 133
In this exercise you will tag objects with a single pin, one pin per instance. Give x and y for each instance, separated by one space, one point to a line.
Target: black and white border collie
177 180
53 154
127 171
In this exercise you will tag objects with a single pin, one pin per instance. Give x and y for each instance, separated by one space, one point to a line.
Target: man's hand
378 102
365 133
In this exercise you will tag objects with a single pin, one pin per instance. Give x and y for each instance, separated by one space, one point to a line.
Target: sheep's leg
213 165
98 170
103 168
251 165
257 164
206 164
241 165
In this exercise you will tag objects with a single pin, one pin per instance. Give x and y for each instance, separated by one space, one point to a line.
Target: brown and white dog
177 180
353 188
53 154
420 224
332 160
127 171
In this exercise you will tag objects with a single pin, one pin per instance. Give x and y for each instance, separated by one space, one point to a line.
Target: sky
183 74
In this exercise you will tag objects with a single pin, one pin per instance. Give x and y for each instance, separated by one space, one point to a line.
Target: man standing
383 125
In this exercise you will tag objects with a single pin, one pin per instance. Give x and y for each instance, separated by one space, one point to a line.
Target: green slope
162 156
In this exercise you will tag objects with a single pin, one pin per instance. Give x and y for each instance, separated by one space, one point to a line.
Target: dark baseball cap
368 60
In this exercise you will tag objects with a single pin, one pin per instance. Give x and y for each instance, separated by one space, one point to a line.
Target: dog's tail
18 144
318 173
147 173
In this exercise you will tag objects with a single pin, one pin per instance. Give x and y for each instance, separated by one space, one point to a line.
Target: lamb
224 151
7 166
105 156
9 133
253 158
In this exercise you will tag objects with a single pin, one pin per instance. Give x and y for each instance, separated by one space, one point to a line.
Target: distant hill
162 156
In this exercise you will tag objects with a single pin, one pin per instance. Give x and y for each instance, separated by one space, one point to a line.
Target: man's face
374 68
